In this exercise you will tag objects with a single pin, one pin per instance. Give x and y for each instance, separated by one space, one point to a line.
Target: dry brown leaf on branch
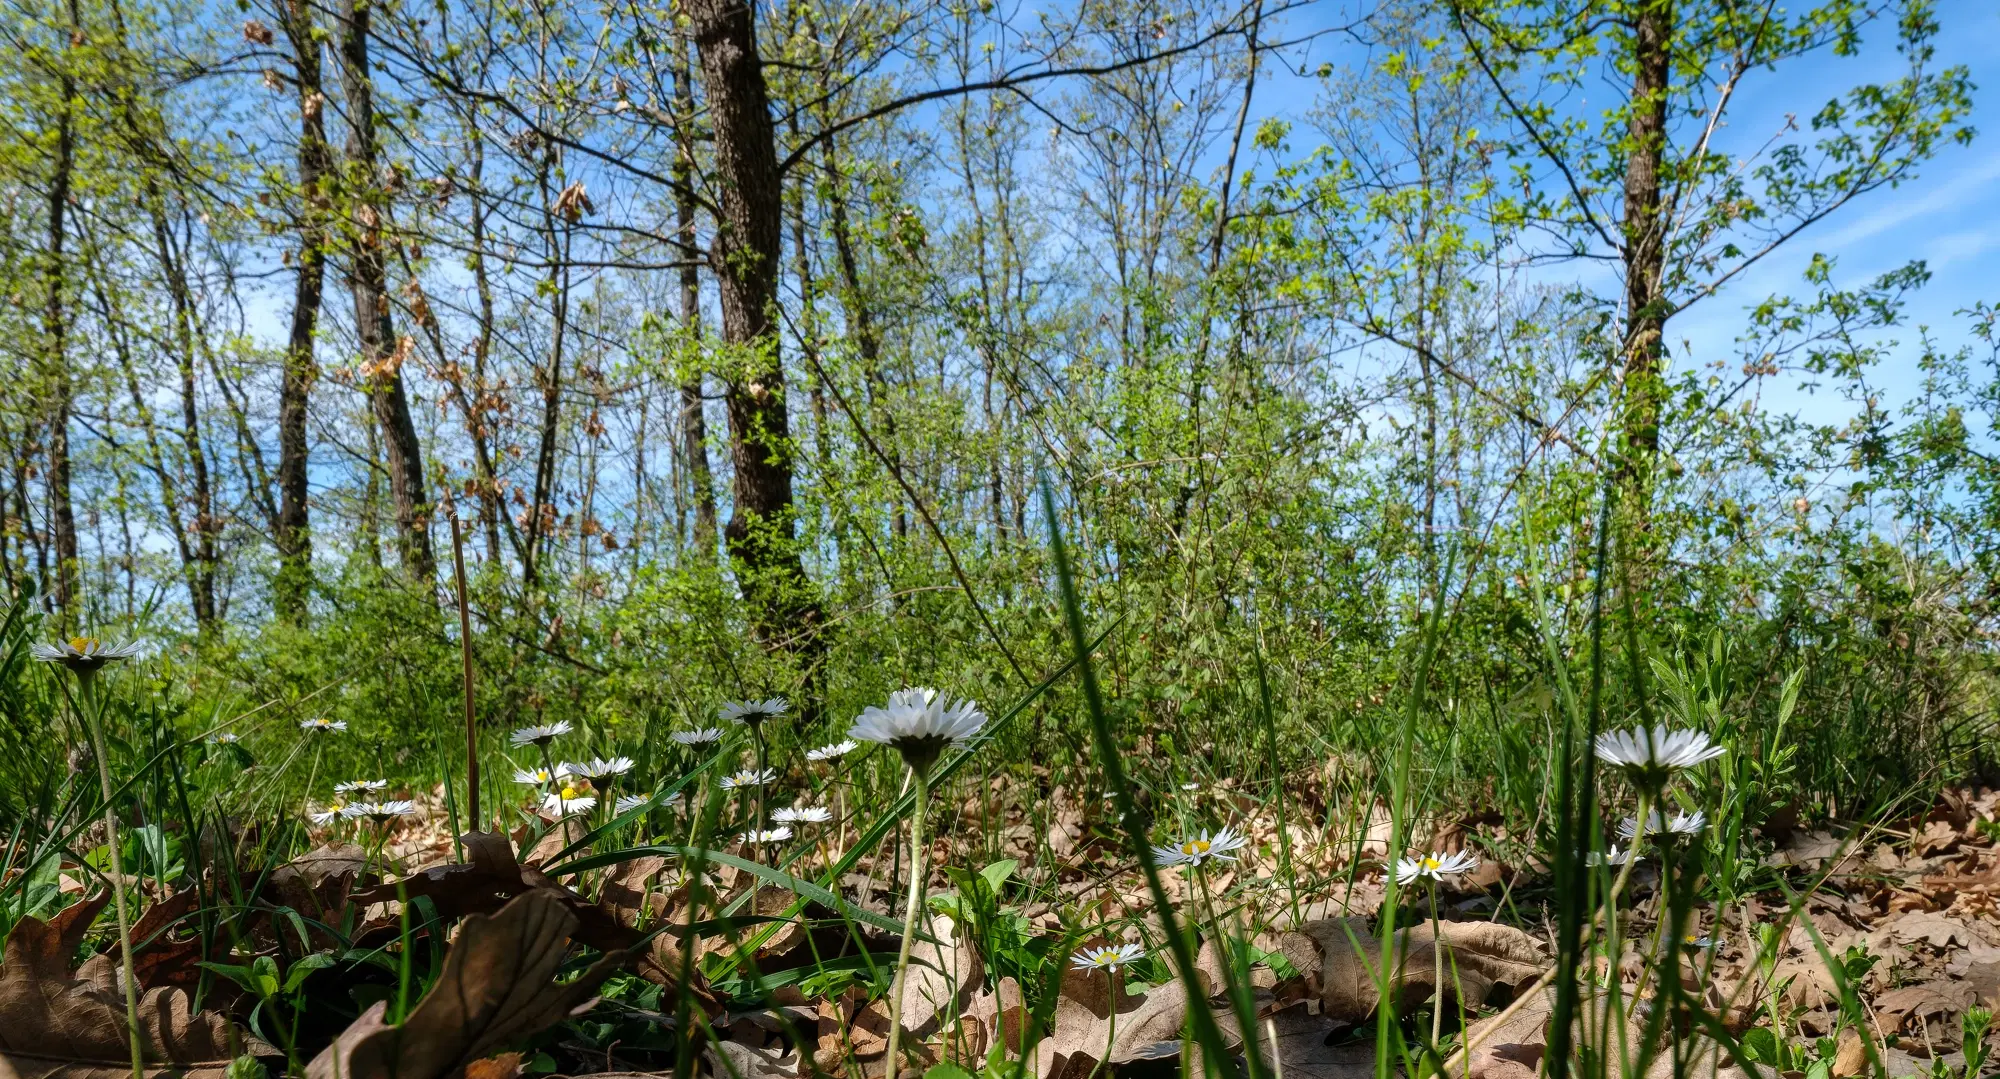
495 988
54 1025
1346 961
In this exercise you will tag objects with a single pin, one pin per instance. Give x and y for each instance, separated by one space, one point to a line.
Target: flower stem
909 921
87 691
1437 970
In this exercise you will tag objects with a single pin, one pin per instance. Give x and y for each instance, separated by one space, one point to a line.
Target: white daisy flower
748 778
599 768
539 776
222 738
328 815
1657 823
1190 787
831 752
540 735
626 803
768 835
919 724
1695 940
802 815
380 812
703 737
1195 850
83 655
572 797
1614 856
322 725
1650 755
353 786
1435 865
1108 958
753 713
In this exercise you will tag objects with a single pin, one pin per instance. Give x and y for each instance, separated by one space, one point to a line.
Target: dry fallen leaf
54 1025
944 973
1478 957
495 988
1307 1046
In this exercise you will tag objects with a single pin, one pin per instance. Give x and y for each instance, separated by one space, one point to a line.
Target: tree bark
1645 249
381 352
55 337
694 423
203 525
749 227
292 535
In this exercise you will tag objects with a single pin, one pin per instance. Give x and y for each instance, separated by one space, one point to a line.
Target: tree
1651 184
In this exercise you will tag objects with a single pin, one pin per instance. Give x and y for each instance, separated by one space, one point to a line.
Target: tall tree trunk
1645 253
861 321
382 353
203 524
292 533
694 423
748 230
55 336
542 514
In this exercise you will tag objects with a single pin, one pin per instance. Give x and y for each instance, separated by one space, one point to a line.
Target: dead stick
465 658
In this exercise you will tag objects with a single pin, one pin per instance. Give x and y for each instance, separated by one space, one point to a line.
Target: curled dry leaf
53 1024
1344 958
495 988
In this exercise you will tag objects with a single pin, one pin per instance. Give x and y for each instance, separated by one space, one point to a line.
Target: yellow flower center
1195 848
83 644
571 790
1431 863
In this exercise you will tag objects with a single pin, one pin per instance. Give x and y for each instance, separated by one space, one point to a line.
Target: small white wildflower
1108 958
541 734
573 796
1614 856
768 835
600 768
1680 824
1650 755
831 752
353 786
322 725
754 713
702 737
748 778
1434 865
802 815
920 724
539 776
626 803
380 812
83 655
1195 850
328 815
222 738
